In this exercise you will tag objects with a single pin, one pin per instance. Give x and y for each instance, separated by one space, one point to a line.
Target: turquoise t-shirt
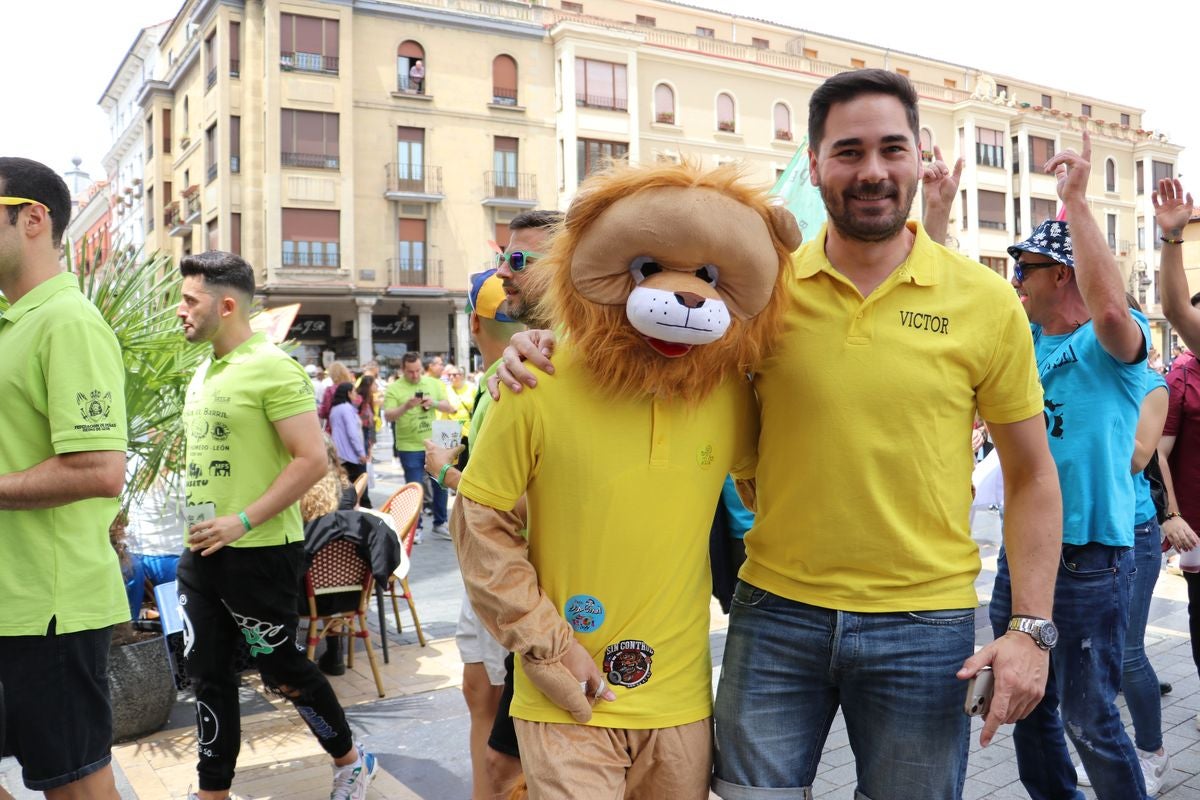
1145 503
1092 402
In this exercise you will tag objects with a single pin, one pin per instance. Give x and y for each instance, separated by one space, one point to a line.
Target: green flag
799 195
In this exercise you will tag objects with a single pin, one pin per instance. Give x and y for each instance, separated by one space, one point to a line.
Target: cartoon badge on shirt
627 663
94 407
584 612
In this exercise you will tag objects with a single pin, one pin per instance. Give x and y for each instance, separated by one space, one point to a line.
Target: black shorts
58 719
503 738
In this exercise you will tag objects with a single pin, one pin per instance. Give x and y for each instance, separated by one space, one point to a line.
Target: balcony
211 173
235 67
235 164
410 273
309 160
191 204
502 96
414 182
602 101
149 152
174 221
309 62
509 189
304 258
211 80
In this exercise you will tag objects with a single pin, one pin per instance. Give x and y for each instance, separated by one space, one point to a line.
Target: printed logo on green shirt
94 408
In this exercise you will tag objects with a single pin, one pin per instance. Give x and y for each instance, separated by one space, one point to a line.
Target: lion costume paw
555 681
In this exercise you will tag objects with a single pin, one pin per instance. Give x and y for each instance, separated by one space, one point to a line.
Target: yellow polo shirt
63 385
621 494
864 478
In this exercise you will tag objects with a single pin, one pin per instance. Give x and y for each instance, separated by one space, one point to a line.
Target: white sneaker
1154 769
351 781
1081 776
442 532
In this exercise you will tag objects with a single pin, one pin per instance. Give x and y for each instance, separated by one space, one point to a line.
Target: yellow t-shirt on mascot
864 495
621 494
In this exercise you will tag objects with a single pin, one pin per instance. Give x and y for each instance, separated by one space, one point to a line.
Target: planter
141 686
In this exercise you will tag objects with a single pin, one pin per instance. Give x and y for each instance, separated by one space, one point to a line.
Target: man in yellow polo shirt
62 465
253 448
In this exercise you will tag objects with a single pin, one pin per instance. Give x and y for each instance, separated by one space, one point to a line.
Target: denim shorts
58 718
789 666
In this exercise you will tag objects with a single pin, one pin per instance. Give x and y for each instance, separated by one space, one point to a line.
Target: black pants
352 472
1193 587
249 592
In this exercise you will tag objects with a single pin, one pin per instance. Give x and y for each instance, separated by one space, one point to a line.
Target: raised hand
941 183
1072 171
1172 208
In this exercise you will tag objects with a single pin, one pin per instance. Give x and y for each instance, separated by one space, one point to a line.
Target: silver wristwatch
1042 631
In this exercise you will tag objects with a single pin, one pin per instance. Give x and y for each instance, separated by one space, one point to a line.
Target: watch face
1049 634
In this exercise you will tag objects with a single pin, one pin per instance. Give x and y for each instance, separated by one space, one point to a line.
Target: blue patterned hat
1052 239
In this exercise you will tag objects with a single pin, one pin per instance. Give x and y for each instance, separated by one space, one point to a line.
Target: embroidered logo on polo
627 663
94 409
704 456
925 322
584 613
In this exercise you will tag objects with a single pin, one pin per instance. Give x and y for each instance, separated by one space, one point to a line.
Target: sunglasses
517 259
22 201
1023 267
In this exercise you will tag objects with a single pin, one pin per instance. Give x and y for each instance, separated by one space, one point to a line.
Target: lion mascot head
665 279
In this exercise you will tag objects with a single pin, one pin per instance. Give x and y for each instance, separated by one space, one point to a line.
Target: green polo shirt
233 450
63 386
414 426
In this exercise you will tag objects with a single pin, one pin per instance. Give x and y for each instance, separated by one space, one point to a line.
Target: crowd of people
886 353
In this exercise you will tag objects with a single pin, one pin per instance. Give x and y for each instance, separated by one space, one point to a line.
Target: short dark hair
220 269
410 357
24 177
537 218
846 86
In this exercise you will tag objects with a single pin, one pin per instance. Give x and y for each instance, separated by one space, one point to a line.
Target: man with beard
859 591
529 233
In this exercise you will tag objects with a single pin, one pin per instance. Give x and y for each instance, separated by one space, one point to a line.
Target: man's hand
437 457
535 346
1072 171
211 535
1172 208
1180 534
426 403
941 183
1020 668
584 668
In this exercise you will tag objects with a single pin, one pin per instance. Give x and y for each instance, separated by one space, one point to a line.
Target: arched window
504 80
410 68
783 122
926 145
664 104
726 119
1110 175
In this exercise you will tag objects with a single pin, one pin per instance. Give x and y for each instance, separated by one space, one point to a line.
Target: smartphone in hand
979 693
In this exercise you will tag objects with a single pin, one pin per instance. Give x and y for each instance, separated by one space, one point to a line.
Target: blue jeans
1091 610
787 668
1138 679
413 462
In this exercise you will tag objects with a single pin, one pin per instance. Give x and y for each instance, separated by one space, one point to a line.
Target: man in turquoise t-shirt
254 447
62 466
410 403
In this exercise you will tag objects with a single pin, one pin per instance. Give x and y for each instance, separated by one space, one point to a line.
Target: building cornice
529 28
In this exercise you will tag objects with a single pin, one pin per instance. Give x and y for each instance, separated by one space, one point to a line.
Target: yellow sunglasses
20 201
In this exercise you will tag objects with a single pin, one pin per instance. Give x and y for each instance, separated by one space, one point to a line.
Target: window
996 264
1141 233
594 154
1041 150
184 139
1140 179
761 44
1110 175
310 238
574 8
210 154
235 145
1085 109
235 49
726 120
783 122
1047 101
1017 214
149 209
504 166
1016 160
210 60
149 137
504 80
1112 232
963 206
664 104
1125 120
410 237
642 19
410 78
810 52
857 63
949 83
707 33
166 130
600 84
308 44
1001 90
1042 209
410 159
991 210
1157 236
1162 171
310 139
989 147
213 235
235 233
926 140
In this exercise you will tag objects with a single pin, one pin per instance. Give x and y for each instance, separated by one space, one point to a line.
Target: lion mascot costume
664 283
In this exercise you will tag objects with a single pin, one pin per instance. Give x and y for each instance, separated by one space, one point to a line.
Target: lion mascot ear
668 277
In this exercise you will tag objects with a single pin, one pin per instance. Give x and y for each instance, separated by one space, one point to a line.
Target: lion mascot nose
689 299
